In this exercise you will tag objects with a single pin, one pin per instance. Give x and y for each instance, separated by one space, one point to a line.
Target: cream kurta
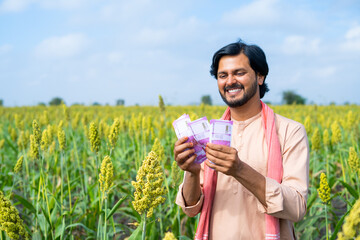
236 212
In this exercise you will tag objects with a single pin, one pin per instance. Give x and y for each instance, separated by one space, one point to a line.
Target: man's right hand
185 157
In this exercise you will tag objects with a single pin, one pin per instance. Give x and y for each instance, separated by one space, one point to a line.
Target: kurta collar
246 122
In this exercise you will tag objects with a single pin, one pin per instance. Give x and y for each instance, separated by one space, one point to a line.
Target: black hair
255 54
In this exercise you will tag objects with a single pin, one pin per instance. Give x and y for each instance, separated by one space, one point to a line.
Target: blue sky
87 51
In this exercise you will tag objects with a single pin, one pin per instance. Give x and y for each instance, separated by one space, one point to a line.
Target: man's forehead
235 61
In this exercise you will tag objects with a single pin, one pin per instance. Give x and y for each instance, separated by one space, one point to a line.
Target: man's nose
231 79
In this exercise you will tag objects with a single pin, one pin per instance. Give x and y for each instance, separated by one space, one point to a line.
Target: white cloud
185 29
20 5
297 44
5 48
352 39
14 5
255 13
62 4
115 57
153 36
325 72
64 46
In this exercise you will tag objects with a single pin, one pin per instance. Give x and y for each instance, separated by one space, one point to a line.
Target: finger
212 165
221 148
185 165
221 156
180 148
182 157
181 141
216 167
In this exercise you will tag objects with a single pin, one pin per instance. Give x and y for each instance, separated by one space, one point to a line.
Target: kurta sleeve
287 200
191 211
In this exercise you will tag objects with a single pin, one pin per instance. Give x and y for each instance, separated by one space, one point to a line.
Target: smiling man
258 187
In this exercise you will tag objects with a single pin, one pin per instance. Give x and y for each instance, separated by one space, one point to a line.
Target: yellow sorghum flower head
2 143
13 134
315 140
52 147
75 120
17 120
106 174
10 222
117 125
66 112
148 186
36 132
307 125
161 104
44 120
335 133
21 142
60 125
34 148
113 134
326 137
62 139
44 144
159 150
350 120
324 189
94 137
353 160
169 236
351 226
18 164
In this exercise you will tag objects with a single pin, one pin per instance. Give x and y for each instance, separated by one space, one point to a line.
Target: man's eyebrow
235 70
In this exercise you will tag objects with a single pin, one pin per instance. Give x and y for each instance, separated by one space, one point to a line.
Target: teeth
233 90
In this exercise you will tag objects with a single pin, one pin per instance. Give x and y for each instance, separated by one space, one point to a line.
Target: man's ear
260 79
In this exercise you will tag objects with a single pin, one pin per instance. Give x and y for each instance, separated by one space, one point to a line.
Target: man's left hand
223 159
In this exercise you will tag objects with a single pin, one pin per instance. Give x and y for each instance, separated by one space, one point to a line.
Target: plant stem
144 226
105 221
326 222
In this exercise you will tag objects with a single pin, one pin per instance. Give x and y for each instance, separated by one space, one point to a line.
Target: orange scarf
274 171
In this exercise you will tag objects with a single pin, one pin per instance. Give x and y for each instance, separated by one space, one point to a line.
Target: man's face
237 81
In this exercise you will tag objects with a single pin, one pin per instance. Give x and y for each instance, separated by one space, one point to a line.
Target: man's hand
185 157
223 159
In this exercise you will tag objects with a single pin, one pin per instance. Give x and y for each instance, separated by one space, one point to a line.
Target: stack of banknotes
200 132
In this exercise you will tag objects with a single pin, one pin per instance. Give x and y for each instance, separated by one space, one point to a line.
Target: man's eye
240 73
222 76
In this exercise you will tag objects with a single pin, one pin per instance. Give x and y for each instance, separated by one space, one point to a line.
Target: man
258 187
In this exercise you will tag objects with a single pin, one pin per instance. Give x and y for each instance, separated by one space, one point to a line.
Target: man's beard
247 95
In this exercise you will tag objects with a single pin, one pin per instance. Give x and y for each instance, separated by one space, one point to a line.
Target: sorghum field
105 172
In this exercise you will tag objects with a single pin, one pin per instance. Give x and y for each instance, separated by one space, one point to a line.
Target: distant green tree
56 101
41 104
96 104
120 102
206 99
1 102
290 97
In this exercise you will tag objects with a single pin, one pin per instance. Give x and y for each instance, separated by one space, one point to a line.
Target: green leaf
25 203
339 225
351 190
117 205
137 233
184 238
46 215
12 146
80 225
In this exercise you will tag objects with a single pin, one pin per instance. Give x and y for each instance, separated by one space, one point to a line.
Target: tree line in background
289 97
